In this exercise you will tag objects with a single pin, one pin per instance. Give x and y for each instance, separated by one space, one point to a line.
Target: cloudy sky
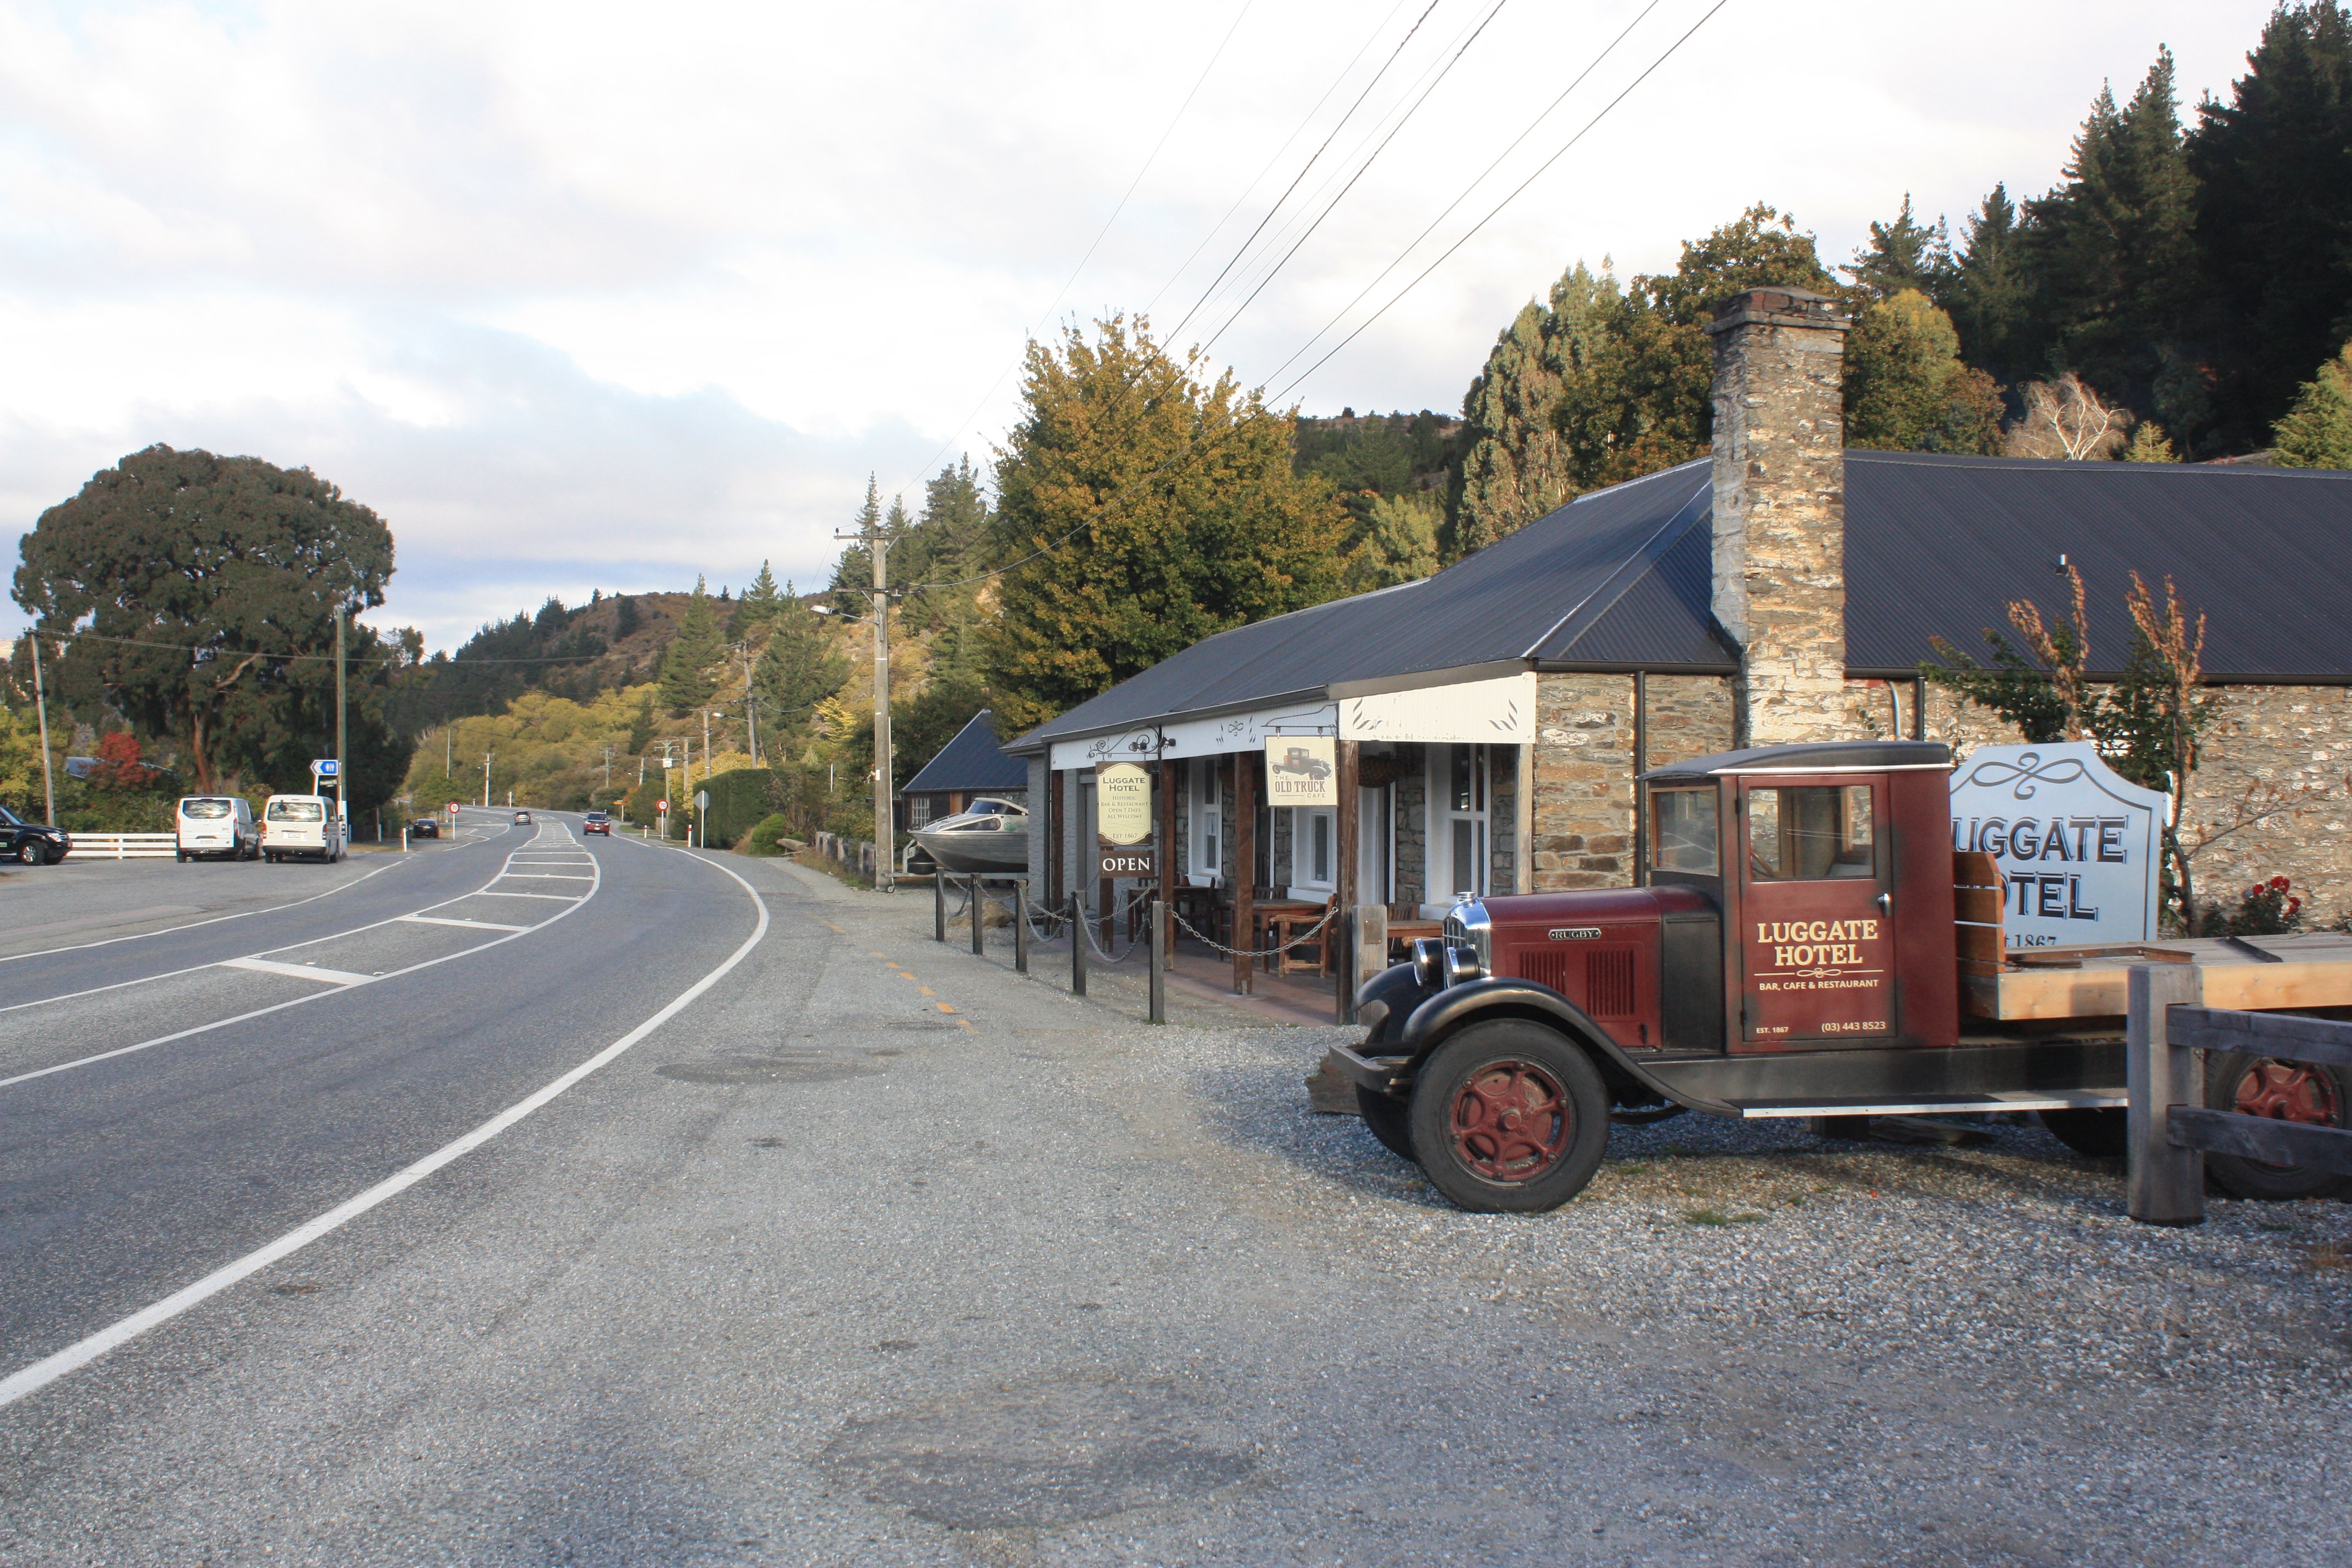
583 296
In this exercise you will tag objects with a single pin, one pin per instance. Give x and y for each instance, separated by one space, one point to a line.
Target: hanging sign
2079 847
1302 770
1122 804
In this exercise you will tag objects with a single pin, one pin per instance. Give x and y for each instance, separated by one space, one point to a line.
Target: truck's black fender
1384 1002
1449 1011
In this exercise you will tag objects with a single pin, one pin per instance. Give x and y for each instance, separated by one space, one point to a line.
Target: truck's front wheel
1508 1117
1388 1118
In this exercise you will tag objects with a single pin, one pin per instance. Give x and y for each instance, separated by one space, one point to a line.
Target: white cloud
597 297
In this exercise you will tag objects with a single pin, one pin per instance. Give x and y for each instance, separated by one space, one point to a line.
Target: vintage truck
1804 942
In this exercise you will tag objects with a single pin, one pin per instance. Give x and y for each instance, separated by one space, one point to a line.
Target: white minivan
294 825
217 825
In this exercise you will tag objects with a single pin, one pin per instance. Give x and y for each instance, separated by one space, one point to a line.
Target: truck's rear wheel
1508 1117
1388 1118
2290 1091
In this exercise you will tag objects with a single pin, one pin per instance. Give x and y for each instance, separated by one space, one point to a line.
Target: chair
1289 960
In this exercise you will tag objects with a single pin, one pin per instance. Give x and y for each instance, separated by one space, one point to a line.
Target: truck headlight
1428 962
1461 965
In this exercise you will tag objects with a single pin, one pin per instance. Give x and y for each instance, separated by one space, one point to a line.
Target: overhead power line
1507 201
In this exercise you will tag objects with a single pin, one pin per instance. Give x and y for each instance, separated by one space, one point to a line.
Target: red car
597 822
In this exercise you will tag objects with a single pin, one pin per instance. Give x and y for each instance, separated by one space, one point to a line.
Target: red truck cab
1790 953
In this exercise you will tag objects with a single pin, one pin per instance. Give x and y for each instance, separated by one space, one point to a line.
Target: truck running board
1937 1104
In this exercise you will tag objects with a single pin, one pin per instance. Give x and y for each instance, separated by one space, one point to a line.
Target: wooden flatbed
2311 971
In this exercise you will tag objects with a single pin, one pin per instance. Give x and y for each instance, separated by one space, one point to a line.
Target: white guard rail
125 846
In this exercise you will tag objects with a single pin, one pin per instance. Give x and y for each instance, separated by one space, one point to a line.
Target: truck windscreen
1683 832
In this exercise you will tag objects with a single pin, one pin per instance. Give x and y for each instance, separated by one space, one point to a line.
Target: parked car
597 822
33 843
522 820
424 827
302 825
215 824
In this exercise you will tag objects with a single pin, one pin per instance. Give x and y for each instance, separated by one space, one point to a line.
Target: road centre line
214 920
316 996
451 921
289 947
299 971
50 1368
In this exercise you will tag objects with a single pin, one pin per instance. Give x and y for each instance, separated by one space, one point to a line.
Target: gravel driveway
881 1255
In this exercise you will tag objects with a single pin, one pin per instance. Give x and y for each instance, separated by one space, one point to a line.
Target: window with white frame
1208 818
1314 833
1460 789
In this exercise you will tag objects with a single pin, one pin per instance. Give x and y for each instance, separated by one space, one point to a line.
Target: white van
215 824
294 825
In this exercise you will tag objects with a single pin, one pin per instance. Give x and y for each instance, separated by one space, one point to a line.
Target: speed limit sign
453 808
661 805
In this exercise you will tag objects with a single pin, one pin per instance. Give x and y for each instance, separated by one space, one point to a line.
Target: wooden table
1406 931
1265 916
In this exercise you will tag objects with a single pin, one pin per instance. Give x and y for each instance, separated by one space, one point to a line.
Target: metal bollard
1078 947
939 905
1158 962
1020 928
979 915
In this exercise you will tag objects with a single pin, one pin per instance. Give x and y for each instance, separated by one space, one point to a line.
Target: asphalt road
856 1248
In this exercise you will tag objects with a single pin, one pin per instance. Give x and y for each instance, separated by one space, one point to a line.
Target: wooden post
1159 929
1244 868
1169 774
2165 1185
979 916
1021 926
938 904
1523 820
1077 945
1372 923
1343 883
1056 823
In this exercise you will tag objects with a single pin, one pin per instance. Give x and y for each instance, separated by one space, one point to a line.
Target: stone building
1490 720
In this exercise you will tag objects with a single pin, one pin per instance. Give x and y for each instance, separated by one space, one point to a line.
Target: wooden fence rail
2171 1129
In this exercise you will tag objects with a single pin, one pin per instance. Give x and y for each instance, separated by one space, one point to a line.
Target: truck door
1816 938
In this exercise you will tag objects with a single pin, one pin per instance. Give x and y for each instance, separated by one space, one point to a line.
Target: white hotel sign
2078 846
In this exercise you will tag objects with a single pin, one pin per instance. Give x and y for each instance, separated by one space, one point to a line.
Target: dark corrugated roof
972 761
1941 546
1531 594
1622 578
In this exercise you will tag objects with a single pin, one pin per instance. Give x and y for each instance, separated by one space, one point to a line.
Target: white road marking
216 920
538 876
558 898
48 1369
451 921
316 996
299 971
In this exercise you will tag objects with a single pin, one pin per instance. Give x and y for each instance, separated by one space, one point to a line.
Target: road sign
661 805
453 808
327 767
702 800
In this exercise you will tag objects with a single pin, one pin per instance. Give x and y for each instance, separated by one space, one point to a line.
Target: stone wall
2270 797
1408 808
1690 715
1502 818
1584 782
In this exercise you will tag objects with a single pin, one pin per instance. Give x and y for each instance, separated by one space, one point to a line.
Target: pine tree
2149 445
626 619
1145 509
1902 255
641 727
756 608
945 547
2274 214
2316 433
1991 289
2112 252
1513 472
1906 388
853 570
798 669
686 678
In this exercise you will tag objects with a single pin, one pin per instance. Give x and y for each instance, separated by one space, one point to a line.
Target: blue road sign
327 768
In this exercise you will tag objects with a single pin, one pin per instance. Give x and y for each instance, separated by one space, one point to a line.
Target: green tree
1395 542
2273 224
626 619
641 727
1906 388
756 608
686 678
2316 433
798 668
246 562
853 570
1514 470
957 689
943 551
1991 290
1904 254
2112 252
1140 509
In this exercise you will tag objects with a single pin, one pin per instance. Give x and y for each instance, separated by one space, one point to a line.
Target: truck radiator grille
1608 976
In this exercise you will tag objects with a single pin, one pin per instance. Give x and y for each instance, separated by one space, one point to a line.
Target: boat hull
1000 853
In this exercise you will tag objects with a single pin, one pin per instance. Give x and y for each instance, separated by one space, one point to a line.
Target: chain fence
1047 924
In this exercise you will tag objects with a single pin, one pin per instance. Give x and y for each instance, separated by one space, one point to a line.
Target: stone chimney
1780 511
